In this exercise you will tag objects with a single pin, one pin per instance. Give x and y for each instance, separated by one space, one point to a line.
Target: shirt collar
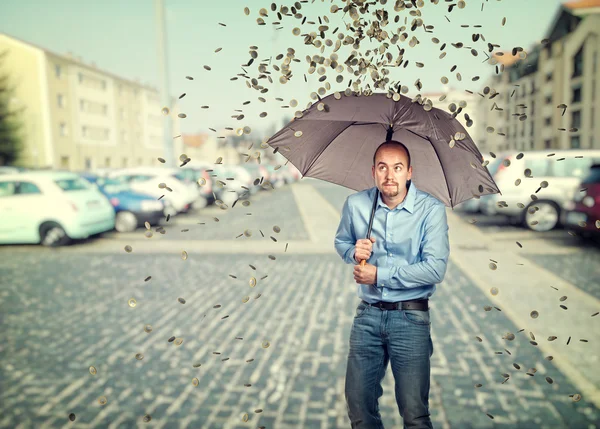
409 200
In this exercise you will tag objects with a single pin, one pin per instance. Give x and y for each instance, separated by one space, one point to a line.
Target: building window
107 161
84 131
60 99
57 71
595 62
548 99
548 121
591 142
576 95
88 163
575 142
578 63
63 129
592 117
82 105
531 129
531 144
532 108
576 119
64 162
547 144
548 76
80 76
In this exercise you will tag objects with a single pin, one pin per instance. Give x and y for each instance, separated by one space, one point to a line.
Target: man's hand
364 248
366 275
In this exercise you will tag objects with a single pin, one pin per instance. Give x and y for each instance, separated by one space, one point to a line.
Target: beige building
562 71
79 117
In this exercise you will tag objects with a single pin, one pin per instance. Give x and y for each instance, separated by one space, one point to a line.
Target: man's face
390 172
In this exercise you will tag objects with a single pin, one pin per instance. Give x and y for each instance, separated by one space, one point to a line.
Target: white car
562 172
148 179
51 208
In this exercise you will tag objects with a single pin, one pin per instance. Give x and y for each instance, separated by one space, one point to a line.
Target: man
406 256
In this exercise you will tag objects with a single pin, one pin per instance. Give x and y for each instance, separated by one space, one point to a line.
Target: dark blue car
132 208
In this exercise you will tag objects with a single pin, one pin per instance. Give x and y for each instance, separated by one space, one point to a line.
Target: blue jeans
377 337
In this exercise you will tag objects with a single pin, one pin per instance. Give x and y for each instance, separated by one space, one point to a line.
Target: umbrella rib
317 157
443 171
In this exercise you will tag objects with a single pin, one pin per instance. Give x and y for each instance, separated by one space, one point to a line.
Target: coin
494 291
517 182
178 341
147 418
181 300
93 370
245 299
298 134
576 397
102 400
132 302
128 249
148 328
276 229
184 255
139 356
248 233
492 266
72 417
165 111
252 282
534 314
265 344
195 381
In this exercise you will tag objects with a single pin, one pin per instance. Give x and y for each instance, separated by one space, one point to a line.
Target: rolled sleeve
345 240
383 276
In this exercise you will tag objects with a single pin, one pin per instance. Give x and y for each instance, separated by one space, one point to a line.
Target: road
64 310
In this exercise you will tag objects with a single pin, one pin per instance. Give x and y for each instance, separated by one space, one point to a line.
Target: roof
80 63
194 140
581 4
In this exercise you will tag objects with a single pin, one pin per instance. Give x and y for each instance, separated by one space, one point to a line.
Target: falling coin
252 282
181 300
298 134
248 233
576 397
147 418
184 255
72 417
132 302
178 341
493 266
139 356
128 249
265 344
102 400
93 370
245 299
195 381
165 111
534 314
494 291
148 328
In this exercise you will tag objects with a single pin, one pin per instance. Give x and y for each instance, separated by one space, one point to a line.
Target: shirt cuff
383 276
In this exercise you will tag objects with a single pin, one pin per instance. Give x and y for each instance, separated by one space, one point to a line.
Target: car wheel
53 235
126 222
547 216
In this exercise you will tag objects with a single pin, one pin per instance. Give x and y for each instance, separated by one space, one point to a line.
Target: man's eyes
382 167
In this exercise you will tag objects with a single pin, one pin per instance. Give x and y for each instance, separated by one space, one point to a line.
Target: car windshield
113 186
593 176
73 184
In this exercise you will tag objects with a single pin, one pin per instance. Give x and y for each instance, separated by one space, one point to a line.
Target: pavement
64 310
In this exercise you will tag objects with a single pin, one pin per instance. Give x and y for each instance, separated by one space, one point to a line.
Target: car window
74 184
593 175
572 167
538 166
27 188
7 189
140 178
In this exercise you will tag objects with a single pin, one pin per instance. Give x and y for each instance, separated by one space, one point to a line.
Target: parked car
228 183
562 171
51 208
257 171
198 174
582 212
132 208
474 204
11 170
148 179
275 176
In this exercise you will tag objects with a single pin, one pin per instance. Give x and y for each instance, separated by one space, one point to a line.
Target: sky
120 37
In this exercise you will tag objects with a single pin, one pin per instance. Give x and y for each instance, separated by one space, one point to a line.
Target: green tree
11 143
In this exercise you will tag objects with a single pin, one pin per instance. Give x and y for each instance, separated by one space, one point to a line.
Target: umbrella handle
364 261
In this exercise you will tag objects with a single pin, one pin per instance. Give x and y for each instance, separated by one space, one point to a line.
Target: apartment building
564 70
79 117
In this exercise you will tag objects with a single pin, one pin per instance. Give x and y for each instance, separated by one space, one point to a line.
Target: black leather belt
415 304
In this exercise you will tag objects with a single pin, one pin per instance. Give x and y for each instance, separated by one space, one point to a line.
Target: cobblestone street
66 310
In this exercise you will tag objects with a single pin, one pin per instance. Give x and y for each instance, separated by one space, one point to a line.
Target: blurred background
132 139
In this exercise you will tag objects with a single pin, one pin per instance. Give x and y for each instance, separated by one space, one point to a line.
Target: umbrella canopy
335 140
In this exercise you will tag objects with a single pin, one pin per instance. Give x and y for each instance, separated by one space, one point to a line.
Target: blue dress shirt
411 246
